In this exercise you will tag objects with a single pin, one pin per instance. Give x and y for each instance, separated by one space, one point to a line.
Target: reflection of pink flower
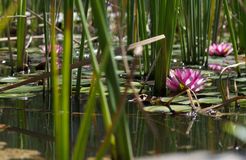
216 67
179 79
222 49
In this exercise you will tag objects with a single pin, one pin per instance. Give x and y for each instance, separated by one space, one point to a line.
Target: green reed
142 22
21 32
8 9
196 20
166 23
239 21
44 9
66 77
104 37
55 84
81 55
163 16
216 21
96 85
232 33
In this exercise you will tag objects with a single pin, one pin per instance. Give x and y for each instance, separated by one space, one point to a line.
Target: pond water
30 126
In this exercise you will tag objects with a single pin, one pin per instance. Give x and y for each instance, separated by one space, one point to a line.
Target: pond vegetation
121 79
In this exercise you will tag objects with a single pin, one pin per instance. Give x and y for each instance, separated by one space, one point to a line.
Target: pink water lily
222 49
181 79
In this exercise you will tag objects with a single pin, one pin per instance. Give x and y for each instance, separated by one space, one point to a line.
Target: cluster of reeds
197 23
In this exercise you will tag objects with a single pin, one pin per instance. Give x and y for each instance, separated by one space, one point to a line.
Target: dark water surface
31 127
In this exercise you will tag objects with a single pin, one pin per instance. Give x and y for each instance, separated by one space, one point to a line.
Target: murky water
30 126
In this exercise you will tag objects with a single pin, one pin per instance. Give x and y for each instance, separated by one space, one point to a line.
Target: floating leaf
25 89
184 102
208 94
177 99
165 109
210 100
242 79
9 80
22 96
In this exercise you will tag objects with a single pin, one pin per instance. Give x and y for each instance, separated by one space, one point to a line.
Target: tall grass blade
10 11
84 128
122 133
81 55
66 77
143 34
55 84
167 25
46 41
216 20
21 25
232 33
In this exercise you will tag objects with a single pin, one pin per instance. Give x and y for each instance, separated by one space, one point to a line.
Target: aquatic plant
181 79
232 33
222 49
21 34
195 21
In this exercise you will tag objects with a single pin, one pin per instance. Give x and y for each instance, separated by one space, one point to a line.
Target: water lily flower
181 79
222 49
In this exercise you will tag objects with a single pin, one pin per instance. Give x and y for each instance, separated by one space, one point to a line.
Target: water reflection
31 127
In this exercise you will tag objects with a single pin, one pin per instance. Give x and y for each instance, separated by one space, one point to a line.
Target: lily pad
184 102
208 94
25 89
177 99
22 96
242 79
210 100
9 80
165 109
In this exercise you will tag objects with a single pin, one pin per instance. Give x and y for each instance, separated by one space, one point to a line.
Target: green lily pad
9 80
85 90
184 102
242 79
25 89
242 102
210 100
165 109
208 94
22 96
177 99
